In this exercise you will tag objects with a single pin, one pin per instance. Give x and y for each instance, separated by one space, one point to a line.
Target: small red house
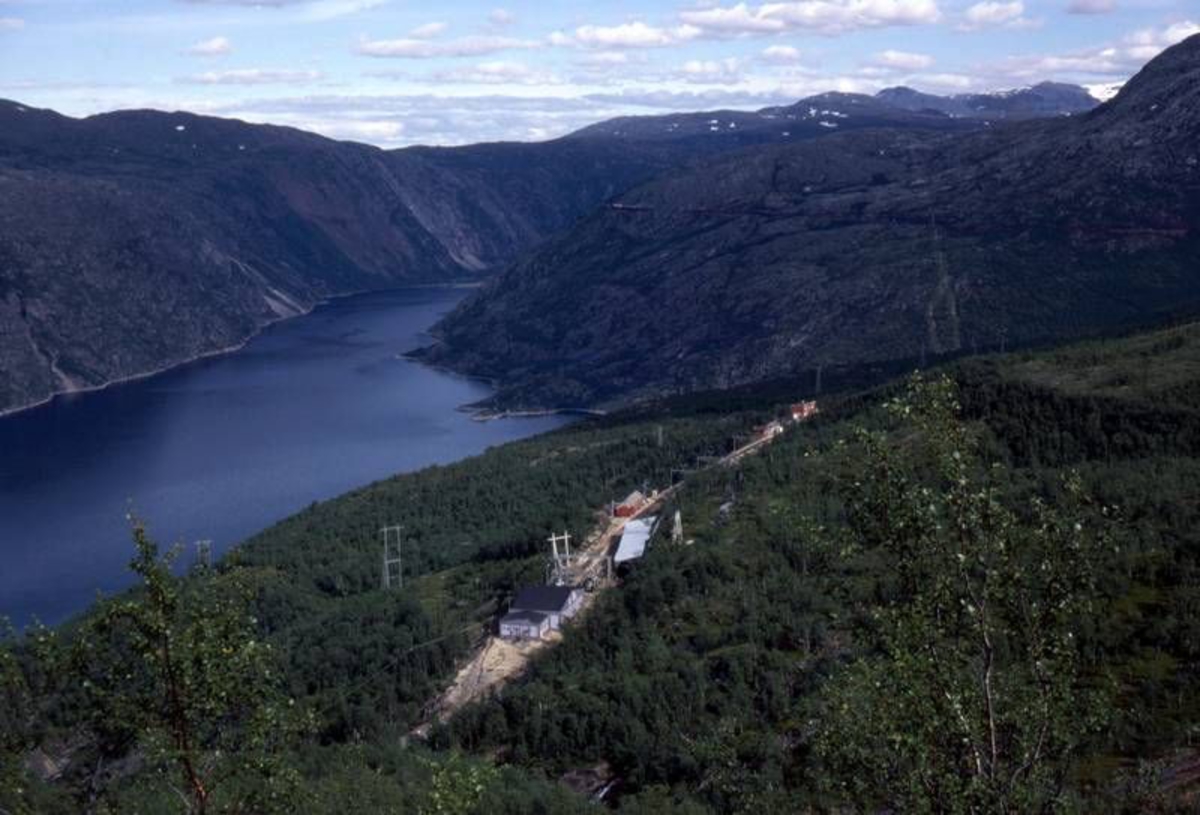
629 507
804 410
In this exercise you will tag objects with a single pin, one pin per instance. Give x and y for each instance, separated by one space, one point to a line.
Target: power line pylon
560 558
393 556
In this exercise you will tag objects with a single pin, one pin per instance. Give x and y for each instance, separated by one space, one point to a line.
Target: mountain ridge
862 247
136 240
130 242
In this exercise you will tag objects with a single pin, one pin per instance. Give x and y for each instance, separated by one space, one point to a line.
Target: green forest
969 590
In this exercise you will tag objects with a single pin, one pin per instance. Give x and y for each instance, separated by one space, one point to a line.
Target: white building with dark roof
539 609
524 625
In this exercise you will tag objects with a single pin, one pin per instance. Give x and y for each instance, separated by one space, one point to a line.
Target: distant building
524 625
633 540
802 411
629 507
539 609
770 430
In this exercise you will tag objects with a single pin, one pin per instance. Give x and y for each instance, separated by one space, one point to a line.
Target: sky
400 72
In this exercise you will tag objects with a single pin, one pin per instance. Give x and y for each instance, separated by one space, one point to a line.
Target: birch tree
973 693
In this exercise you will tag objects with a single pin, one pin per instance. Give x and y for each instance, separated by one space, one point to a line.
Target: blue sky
397 72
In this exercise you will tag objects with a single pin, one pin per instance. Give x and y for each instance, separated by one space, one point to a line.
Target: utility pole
659 435
677 529
561 559
393 556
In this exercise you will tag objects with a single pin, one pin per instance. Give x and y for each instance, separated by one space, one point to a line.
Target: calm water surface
224 447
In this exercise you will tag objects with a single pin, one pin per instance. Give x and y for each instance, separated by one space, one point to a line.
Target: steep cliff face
862 247
133 241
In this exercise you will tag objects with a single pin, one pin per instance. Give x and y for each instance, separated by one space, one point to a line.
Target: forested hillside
974 589
724 666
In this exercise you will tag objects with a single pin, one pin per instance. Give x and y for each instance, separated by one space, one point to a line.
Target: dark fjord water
221 448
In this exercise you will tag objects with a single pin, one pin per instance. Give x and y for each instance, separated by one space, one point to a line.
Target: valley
815 453
871 246
221 448
135 241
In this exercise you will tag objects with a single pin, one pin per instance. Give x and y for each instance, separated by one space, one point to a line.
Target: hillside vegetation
816 646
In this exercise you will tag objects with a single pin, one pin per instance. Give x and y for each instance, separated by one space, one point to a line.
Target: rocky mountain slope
1043 99
834 111
136 240
868 246
819 115
133 241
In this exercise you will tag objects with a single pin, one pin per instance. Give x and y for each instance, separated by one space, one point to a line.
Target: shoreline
486 415
479 411
8 412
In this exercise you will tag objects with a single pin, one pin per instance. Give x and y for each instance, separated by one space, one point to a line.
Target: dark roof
535 617
542 598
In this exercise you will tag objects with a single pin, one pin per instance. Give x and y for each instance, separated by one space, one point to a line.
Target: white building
633 540
524 625
538 609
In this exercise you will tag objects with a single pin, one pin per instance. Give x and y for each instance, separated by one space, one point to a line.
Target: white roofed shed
634 539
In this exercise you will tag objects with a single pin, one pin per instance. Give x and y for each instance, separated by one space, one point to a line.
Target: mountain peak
1172 79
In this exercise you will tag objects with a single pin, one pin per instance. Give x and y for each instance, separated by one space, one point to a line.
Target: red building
804 410
629 507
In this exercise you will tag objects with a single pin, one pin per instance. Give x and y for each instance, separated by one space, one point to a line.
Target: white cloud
396 120
605 58
412 48
781 54
823 16
11 23
1091 6
215 47
425 32
311 10
266 3
323 10
903 60
502 16
1148 43
497 73
739 19
385 133
1102 64
252 76
626 35
712 71
995 13
947 82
